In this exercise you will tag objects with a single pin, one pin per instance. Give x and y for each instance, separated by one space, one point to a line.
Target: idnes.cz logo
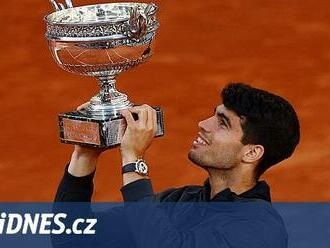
44 223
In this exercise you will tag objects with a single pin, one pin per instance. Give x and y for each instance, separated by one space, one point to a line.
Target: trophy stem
109 101
108 88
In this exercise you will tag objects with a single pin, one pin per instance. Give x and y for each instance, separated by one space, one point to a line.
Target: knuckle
146 107
135 108
149 129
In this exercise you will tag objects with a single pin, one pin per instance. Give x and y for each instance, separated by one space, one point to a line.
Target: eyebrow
224 117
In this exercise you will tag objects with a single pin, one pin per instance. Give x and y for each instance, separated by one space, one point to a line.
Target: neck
236 179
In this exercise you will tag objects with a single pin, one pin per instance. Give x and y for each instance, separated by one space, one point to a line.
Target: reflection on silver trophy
101 41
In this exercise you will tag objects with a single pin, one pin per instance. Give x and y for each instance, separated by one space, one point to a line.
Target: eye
222 123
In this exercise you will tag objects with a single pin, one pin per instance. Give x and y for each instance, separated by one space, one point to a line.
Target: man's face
218 144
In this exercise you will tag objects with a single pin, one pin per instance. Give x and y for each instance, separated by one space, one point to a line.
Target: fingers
149 122
142 112
82 106
147 117
139 133
128 116
152 120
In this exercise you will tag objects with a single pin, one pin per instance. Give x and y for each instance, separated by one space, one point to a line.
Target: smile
199 141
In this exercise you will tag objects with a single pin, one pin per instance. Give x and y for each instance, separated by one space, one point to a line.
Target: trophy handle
59 6
137 24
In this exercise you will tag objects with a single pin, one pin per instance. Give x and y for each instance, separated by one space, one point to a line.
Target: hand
84 151
139 133
84 159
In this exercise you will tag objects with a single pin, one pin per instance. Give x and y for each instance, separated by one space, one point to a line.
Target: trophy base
79 129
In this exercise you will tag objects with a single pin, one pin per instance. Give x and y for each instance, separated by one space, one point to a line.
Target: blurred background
281 46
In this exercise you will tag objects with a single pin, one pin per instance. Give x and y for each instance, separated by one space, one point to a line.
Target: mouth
200 140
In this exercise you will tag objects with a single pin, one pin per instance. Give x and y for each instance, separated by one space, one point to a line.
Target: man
248 133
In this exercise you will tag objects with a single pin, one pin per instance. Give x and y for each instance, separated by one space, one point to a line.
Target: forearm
75 189
83 161
138 136
77 182
135 186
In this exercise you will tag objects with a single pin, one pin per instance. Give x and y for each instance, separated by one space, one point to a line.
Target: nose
204 125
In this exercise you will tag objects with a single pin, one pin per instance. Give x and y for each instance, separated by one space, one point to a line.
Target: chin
195 157
200 158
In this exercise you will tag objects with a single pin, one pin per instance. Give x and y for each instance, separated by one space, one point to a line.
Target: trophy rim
99 22
95 39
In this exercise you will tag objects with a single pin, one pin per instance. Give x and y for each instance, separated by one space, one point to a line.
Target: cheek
221 137
228 157
226 146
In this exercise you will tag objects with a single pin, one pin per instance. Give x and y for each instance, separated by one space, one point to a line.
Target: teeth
200 141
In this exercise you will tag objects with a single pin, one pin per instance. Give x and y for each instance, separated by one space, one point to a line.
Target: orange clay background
281 46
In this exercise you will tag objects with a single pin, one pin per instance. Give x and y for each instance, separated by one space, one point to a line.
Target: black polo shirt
229 220
80 189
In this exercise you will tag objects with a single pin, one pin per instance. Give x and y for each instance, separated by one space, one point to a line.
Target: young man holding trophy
248 133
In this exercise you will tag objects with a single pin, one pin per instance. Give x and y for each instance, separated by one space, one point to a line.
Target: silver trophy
101 41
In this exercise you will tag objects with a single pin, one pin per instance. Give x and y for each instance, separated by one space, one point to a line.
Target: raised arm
77 182
137 138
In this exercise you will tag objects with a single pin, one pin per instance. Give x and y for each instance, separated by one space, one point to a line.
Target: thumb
128 116
82 106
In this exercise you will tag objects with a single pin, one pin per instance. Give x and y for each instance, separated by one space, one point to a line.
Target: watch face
141 167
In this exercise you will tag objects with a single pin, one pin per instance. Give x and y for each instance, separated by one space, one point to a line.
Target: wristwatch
139 166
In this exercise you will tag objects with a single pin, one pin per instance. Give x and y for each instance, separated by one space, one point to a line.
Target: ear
253 153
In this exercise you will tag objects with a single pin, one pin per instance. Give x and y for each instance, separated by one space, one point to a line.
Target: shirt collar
260 191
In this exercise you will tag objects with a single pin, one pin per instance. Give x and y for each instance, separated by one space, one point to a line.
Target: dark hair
267 120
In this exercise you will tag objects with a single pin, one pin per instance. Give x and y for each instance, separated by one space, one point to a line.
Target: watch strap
139 166
131 167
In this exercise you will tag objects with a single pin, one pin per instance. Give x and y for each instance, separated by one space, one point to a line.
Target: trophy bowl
101 41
